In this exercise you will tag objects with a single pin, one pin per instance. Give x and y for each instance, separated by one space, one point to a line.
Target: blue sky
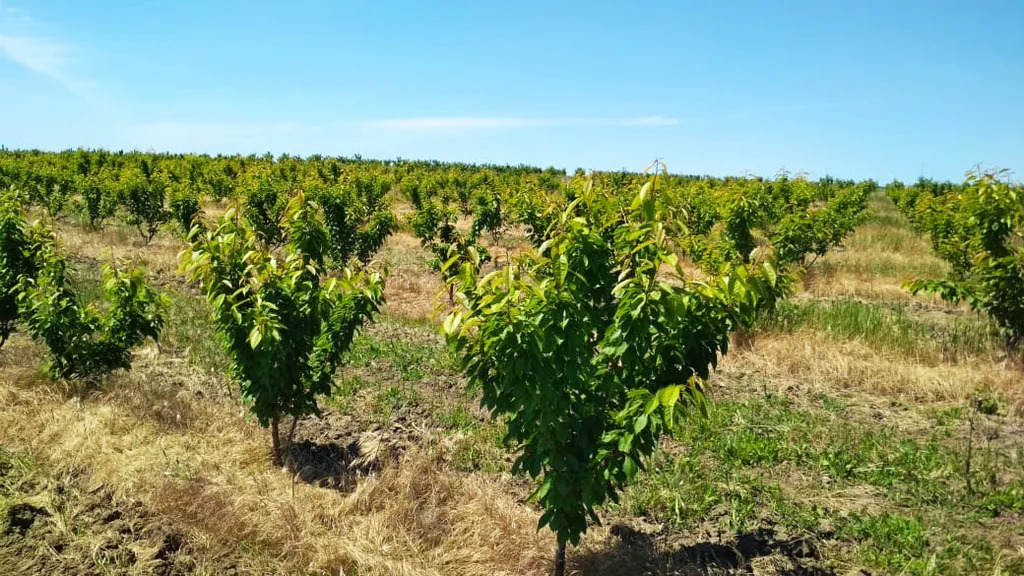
854 89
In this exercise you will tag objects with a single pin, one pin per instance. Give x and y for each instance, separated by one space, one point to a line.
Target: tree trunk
560 560
275 438
291 433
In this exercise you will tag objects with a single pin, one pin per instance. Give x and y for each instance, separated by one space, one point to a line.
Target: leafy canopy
19 245
89 340
589 344
978 228
284 324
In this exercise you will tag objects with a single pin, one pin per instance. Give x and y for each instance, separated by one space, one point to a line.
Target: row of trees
591 343
148 191
978 228
286 318
719 221
98 187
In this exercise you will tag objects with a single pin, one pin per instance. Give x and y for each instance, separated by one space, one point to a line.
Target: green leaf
625 442
255 337
669 395
541 491
640 423
629 467
651 404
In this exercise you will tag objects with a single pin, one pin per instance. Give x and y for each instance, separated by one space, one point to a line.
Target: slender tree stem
275 438
560 560
291 432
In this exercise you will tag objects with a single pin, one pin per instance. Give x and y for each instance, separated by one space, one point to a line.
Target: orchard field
258 365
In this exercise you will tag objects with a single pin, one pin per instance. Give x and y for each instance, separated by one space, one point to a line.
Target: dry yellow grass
807 361
847 285
416 292
874 263
413 289
213 478
121 242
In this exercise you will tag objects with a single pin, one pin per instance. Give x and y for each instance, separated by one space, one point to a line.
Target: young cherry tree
979 229
19 243
588 345
85 340
285 326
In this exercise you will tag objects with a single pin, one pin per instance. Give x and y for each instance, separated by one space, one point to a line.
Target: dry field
860 431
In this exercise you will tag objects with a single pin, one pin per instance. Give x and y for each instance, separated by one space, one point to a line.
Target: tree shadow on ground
334 451
334 465
635 552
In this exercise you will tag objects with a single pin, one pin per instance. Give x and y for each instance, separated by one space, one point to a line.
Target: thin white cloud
429 123
22 42
43 55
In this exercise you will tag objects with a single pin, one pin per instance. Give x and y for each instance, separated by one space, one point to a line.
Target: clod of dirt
171 544
21 517
799 548
112 516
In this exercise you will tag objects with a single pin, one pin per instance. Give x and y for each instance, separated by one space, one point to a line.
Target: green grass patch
480 448
388 400
190 327
736 469
456 418
889 541
344 391
413 352
886 326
